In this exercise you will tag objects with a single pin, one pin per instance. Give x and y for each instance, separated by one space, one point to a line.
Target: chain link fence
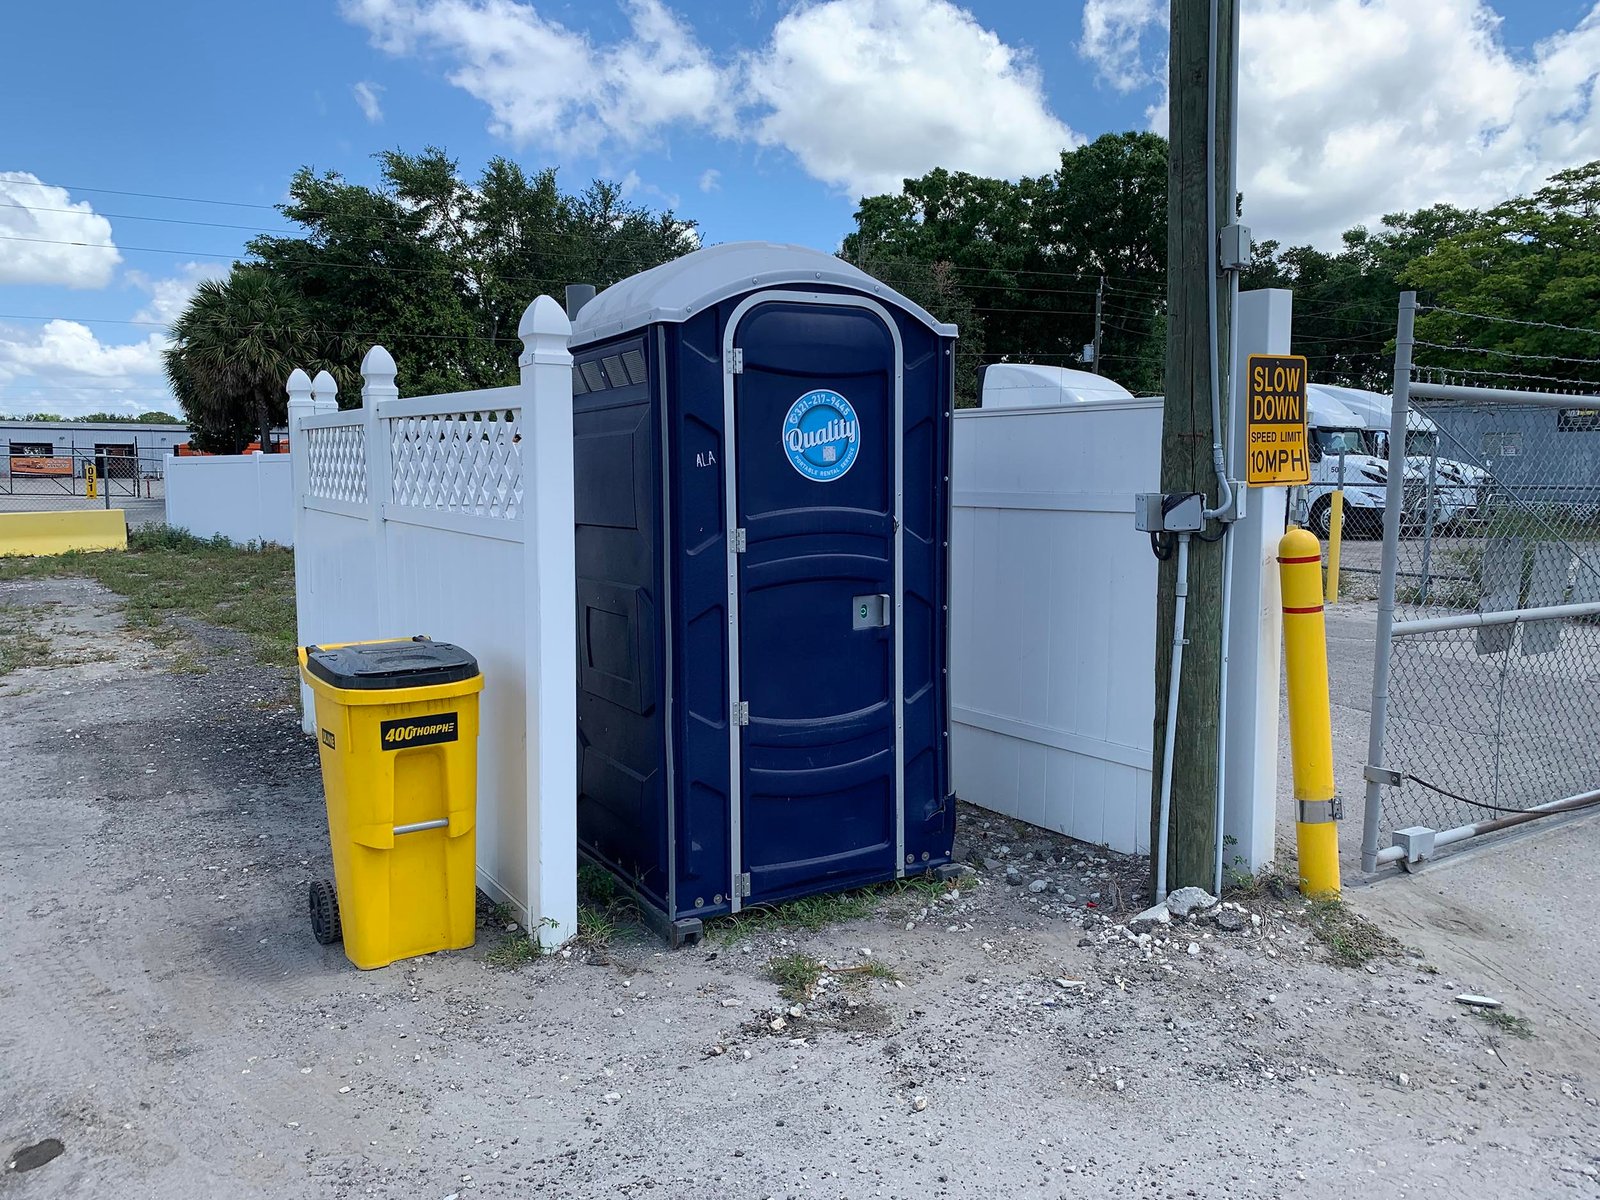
1487 698
67 480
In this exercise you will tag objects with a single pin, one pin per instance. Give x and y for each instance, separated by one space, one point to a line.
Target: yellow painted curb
33 533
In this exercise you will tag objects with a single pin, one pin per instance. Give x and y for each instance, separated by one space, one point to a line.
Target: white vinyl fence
452 516
1053 616
242 497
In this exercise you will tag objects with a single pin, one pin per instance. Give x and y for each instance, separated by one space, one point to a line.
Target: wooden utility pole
1187 431
1099 312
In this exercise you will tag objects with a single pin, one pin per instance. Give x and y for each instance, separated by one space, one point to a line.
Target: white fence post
1255 639
551 589
377 387
302 404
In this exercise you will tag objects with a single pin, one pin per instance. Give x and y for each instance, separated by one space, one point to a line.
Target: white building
123 448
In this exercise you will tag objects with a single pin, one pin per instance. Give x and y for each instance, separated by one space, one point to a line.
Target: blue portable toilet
762 501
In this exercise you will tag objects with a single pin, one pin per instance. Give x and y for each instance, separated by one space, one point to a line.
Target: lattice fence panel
338 463
463 462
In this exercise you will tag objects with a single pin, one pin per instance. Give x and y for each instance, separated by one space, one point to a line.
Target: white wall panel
1053 616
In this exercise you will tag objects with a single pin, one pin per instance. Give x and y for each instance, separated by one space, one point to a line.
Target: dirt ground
166 1015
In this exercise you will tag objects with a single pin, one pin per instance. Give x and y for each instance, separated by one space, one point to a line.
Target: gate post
1394 500
551 693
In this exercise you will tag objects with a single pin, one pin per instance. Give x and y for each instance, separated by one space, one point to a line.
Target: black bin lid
420 662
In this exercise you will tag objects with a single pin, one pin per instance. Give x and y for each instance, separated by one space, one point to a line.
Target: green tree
157 417
1027 257
1344 300
233 349
1531 259
439 270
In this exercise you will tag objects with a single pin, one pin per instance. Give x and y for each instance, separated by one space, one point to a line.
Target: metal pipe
1224 491
1461 833
1394 497
419 826
1476 395
1227 603
1476 620
1179 618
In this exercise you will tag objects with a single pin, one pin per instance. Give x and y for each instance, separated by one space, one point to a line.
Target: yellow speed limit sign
1275 408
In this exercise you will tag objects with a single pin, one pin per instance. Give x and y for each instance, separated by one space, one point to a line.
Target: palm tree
233 348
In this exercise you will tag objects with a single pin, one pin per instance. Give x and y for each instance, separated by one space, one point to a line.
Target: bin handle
419 826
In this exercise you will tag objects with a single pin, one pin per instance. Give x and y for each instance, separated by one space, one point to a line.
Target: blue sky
758 119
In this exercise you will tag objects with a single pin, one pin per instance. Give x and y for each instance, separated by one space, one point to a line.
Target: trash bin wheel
324 902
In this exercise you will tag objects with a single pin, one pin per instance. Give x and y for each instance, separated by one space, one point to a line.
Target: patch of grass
796 976
596 884
596 926
168 572
516 950
1351 940
22 644
1505 1022
831 908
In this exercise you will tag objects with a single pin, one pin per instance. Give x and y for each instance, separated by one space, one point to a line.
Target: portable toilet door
796 591
815 589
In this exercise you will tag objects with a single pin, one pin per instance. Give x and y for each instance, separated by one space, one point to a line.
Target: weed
516 950
796 976
596 884
596 926
502 913
1505 1022
22 644
1351 940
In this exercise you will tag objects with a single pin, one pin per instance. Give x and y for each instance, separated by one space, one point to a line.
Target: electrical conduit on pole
1305 654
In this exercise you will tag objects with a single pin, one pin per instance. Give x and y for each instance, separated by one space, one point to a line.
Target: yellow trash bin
397 728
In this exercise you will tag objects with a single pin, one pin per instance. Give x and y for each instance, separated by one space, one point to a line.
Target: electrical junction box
1175 512
1233 247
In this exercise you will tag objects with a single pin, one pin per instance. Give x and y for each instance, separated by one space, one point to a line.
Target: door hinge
741 712
740 540
741 885
735 362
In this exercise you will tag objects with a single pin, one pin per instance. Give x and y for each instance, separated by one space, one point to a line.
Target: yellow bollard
1305 652
1335 536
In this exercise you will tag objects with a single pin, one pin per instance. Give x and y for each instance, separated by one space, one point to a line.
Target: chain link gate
78 479
1486 687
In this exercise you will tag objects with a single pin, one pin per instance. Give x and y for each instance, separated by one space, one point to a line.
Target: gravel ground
167 1017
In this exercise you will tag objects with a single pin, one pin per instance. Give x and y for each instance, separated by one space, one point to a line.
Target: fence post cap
544 316
325 385
378 364
299 384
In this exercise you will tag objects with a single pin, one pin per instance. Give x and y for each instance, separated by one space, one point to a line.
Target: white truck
1335 432
1455 490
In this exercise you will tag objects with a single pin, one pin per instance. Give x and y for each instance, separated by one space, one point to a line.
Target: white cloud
1353 108
50 239
546 84
1113 33
170 296
710 180
366 94
63 367
863 92
869 92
